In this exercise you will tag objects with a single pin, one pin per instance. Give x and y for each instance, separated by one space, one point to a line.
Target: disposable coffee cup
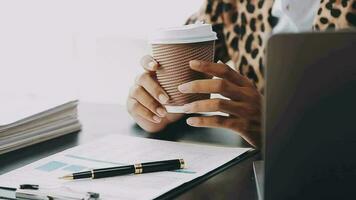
173 48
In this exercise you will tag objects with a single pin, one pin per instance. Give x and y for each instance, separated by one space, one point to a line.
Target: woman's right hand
146 100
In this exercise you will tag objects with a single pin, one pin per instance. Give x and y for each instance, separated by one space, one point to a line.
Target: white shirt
294 15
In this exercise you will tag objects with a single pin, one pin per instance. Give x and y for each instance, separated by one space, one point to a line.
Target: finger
153 88
220 86
251 134
148 126
211 121
142 96
239 109
209 105
137 109
220 70
148 63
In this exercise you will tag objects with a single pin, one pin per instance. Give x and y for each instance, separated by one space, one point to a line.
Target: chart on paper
119 150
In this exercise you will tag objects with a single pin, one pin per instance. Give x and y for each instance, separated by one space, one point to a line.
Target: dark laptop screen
310 116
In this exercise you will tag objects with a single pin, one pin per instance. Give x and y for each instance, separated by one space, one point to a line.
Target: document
116 150
19 107
27 120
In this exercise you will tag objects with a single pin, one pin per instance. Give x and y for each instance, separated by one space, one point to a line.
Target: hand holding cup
147 98
243 103
178 80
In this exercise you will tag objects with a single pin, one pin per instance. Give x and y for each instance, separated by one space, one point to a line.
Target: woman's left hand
243 105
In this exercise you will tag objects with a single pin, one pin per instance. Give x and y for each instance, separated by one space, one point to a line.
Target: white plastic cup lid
184 34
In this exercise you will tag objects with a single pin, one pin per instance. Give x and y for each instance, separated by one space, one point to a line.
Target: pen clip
29 187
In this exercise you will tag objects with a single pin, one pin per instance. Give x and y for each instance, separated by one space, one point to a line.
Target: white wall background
81 48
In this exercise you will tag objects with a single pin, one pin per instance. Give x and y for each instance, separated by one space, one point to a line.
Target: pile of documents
23 123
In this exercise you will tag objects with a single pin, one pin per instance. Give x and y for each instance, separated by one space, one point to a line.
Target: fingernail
152 65
161 111
186 108
156 119
184 88
163 98
194 63
191 121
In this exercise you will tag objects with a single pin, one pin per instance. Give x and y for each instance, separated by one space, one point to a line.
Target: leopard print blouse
243 27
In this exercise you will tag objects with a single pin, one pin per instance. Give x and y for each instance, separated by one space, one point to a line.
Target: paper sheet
117 150
16 107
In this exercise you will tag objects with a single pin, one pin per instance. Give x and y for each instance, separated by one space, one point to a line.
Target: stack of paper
26 123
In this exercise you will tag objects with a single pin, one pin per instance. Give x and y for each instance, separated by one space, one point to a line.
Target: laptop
309 118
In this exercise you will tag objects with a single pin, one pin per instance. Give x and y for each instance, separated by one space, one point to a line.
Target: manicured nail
152 65
191 121
156 119
163 98
161 111
184 88
194 63
186 108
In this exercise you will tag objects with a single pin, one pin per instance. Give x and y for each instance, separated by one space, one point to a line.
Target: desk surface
98 120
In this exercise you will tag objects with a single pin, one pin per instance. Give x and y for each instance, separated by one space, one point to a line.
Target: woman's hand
244 106
146 100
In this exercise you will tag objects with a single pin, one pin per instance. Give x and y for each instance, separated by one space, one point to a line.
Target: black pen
158 166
